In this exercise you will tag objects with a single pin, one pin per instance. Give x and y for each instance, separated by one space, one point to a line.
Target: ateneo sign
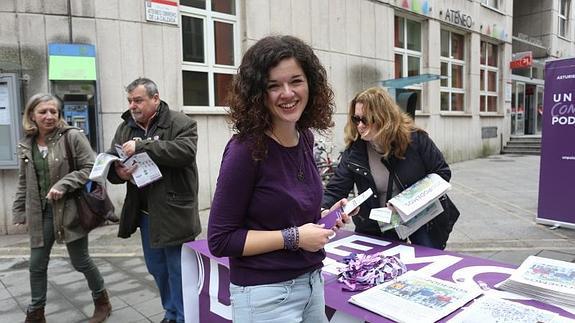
458 18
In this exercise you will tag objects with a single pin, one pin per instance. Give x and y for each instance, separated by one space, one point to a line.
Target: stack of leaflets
547 280
413 297
146 172
492 309
417 205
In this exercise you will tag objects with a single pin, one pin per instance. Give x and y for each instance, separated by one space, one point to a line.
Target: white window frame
406 53
563 18
209 66
484 94
496 4
450 62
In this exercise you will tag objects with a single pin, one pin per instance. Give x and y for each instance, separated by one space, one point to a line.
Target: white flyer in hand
146 172
101 167
353 204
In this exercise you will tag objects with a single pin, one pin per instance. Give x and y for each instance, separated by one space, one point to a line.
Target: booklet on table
547 280
414 297
493 309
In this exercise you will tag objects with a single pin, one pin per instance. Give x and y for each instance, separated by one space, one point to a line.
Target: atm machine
78 106
76 114
73 78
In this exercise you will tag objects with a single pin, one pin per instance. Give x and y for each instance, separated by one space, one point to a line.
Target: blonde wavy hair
394 127
30 128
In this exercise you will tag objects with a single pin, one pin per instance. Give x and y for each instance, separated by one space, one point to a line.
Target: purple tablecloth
212 279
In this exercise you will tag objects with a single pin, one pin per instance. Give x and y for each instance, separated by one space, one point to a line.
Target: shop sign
164 11
521 60
458 18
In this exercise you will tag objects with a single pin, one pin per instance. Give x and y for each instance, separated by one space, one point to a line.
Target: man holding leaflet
166 210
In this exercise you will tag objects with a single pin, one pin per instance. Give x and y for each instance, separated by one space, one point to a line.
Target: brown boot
102 308
36 316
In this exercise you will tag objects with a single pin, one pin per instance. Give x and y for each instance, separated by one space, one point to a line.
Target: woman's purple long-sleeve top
264 195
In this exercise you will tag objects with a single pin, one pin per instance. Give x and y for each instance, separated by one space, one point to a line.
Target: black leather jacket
421 158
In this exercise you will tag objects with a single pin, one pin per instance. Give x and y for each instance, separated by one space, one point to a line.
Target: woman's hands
345 218
312 237
54 194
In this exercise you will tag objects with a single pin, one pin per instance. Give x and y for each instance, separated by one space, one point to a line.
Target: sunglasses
357 119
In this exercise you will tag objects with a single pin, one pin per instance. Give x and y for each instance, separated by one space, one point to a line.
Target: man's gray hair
151 87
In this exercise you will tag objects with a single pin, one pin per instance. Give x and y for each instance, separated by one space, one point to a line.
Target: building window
488 75
407 37
210 45
564 10
453 69
491 3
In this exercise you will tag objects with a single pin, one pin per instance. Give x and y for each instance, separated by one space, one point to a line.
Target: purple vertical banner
557 169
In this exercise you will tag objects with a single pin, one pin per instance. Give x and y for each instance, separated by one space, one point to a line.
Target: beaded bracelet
291 238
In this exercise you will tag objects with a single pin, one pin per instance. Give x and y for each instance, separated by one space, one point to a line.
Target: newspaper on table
413 297
546 280
411 201
493 309
146 172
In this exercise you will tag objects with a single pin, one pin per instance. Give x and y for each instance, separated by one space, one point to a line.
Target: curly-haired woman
268 194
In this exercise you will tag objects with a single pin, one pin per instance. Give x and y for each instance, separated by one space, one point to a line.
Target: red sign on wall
521 60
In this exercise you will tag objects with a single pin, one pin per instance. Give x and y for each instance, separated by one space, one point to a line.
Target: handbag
442 225
92 201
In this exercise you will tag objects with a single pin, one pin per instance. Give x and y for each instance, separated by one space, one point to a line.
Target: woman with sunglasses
380 137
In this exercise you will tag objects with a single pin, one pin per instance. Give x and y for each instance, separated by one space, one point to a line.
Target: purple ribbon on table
365 271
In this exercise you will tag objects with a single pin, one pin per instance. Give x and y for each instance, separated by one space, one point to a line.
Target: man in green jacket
166 211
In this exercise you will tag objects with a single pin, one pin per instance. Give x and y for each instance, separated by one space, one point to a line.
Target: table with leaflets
205 278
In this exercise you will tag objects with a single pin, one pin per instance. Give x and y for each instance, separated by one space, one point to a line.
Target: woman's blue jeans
296 300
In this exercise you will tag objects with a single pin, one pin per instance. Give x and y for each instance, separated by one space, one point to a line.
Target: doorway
526 109
518 109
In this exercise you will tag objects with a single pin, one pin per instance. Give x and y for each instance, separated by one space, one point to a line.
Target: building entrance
526 109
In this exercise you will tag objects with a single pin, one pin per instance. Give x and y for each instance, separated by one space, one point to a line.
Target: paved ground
497 197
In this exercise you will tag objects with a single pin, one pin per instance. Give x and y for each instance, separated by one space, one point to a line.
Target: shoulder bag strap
392 178
69 155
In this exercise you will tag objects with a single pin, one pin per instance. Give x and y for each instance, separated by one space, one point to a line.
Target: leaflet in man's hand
101 167
418 196
414 297
146 172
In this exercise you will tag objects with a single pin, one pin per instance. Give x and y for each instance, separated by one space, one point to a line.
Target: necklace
300 175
